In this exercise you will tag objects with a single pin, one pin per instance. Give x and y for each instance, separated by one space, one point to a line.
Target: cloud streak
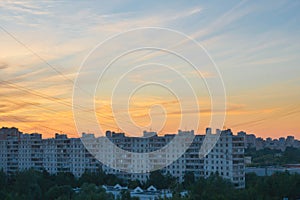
256 51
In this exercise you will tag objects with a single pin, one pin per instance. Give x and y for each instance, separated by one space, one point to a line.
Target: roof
151 188
138 190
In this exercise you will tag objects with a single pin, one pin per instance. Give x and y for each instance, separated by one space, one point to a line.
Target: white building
62 154
30 151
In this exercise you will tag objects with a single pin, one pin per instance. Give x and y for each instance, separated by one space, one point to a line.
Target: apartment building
252 142
130 154
63 154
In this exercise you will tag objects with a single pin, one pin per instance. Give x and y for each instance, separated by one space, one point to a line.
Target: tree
3 180
59 192
92 192
214 187
111 179
189 179
26 185
157 179
125 195
97 178
133 184
65 178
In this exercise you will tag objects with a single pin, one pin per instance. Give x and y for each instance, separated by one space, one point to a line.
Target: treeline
267 157
30 184
273 187
33 185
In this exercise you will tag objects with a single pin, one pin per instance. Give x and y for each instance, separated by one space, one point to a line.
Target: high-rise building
62 154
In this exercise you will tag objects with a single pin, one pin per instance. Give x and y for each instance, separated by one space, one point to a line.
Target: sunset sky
255 45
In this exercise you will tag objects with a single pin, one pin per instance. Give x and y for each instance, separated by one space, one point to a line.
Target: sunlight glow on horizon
256 46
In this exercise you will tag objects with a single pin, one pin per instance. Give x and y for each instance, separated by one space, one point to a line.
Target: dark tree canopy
33 185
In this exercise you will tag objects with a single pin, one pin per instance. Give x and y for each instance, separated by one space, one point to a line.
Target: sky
46 46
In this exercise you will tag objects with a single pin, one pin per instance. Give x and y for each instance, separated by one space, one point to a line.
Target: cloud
250 123
232 15
62 34
3 65
185 13
21 119
8 106
28 7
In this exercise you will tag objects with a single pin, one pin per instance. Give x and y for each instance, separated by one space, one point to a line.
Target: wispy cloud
3 65
28 7
255 58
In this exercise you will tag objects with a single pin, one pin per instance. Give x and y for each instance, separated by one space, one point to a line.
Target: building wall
62 154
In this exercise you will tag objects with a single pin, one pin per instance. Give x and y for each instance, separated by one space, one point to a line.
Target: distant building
248 160
151 193
258 143
268 171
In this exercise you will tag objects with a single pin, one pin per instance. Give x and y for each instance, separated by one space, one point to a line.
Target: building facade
62 154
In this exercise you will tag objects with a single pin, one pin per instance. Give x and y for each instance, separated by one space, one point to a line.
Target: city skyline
52 135
130 158
255 46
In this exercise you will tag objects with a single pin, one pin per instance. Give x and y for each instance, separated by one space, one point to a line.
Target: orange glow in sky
256 50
